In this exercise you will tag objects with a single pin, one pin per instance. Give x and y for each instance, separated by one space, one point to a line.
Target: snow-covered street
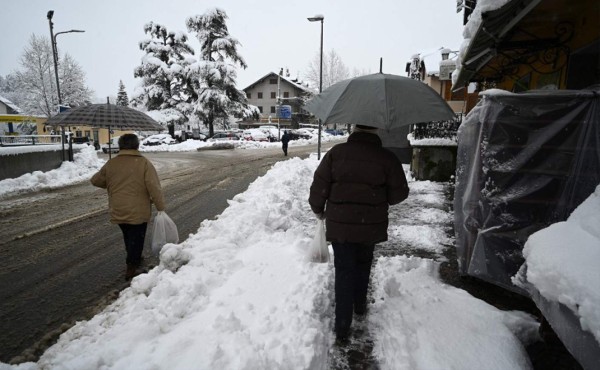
240 294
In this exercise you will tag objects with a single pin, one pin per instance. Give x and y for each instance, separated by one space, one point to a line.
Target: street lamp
55 52
320 18
55 58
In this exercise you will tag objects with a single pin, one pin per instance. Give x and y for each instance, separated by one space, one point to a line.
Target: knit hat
365 128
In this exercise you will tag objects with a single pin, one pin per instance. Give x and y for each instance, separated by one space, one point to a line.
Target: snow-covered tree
73 90
166 56
35 90
213 76
334 70
122 98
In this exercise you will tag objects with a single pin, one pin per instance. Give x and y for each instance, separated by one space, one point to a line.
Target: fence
437 129
21 140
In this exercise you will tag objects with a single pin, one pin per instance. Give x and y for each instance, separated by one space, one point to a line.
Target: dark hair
129 141
365 127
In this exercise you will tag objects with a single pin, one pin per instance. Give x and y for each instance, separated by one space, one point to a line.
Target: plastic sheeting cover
524 161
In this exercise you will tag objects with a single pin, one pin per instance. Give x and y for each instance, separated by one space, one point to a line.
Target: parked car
114 145
271 131
158 139
225 136
82 140
254 135
334 132
296 135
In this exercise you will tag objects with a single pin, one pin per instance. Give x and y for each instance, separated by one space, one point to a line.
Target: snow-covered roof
10 104
291 82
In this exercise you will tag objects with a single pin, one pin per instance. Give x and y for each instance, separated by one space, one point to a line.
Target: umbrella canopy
105 116
380 100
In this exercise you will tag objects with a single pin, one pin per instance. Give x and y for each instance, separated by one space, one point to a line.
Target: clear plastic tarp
524 161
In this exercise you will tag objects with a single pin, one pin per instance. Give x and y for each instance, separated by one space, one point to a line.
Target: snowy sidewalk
239 294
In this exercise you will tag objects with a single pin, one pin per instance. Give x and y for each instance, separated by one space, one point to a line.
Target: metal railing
22 140
437 129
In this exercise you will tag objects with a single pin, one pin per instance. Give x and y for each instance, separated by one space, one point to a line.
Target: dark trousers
352 269
134 236
284 147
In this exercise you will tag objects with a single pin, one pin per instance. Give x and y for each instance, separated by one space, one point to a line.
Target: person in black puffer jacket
352 189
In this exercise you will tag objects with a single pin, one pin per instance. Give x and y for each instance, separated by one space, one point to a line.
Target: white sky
273 34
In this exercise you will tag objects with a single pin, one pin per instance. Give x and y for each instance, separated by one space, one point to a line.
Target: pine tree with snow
166 56
213 76
122 98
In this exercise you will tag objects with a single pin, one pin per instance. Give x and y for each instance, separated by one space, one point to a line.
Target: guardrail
21 140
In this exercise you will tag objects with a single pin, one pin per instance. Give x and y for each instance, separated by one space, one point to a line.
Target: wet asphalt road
62 261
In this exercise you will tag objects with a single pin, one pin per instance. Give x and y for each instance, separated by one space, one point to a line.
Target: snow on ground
85 164
191 145
561 261
241 294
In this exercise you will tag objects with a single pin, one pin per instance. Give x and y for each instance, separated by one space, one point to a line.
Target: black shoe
342 335
360 309
130 273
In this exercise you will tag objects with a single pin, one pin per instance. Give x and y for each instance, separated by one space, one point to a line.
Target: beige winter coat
133 185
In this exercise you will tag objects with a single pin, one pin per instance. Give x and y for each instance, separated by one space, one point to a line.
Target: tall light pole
318 18
55 52
55 57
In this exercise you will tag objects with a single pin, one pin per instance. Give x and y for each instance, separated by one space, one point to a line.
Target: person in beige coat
133 185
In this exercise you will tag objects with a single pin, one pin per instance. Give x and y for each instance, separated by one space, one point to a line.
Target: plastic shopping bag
165 231
319 252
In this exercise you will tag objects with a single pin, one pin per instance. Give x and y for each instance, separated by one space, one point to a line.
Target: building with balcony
272 91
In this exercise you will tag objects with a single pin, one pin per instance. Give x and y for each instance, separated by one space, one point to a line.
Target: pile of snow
240 294
85 164
431 141
14 150
561 261
422 323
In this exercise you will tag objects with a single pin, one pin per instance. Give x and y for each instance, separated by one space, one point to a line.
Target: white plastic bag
318 251
165 231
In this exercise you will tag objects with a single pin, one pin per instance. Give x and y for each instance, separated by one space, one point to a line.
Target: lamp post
55 58
320 18
55 52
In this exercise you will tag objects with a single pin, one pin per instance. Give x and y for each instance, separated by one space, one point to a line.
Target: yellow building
10 116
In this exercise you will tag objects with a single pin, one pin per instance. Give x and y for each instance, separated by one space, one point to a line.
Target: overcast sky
273 34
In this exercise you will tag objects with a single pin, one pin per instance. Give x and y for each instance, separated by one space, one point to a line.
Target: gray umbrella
380 100
105 116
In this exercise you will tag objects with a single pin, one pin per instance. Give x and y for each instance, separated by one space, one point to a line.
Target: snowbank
85 164
561 261
240 294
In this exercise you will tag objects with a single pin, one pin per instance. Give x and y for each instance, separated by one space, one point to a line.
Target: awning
493 30
19 118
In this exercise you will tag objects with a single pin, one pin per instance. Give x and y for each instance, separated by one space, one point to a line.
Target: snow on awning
492 27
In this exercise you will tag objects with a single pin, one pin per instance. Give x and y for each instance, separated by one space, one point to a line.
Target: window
248 95
273 81
77 133
260 95
286 94
273 95
260 109
272 109
87 133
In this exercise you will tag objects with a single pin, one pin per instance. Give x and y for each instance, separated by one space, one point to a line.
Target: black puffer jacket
358 180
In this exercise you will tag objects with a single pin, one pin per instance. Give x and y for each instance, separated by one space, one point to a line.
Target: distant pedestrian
133 185
285 139
352 188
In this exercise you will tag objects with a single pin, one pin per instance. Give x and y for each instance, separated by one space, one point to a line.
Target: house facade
272 91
